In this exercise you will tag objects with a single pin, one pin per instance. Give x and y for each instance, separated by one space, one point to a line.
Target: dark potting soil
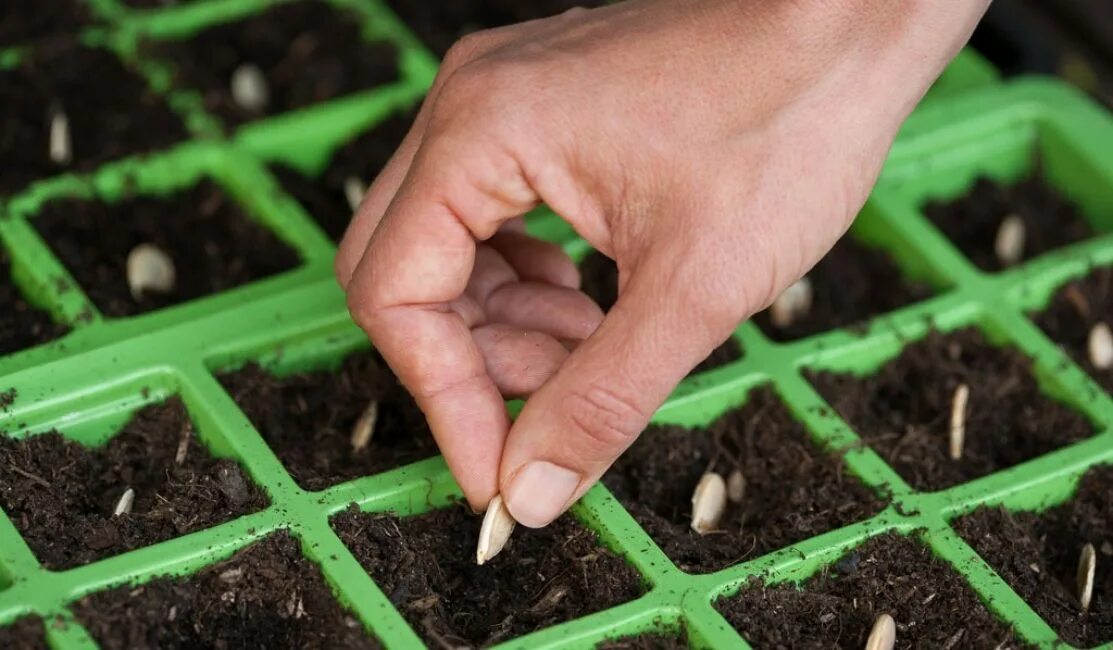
1074 311
931 603
648 641
309 52
213 243
793 490
599 280
23 21
156 4
852 284
22 325
903 410
61 495
426 566
363 158
971 222
26 633
1037 554
110 110
266 596
307 419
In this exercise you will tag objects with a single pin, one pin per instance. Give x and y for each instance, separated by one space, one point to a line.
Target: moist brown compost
972 221
793 490
22 324
1037 554
648 641
266 596
1074 311
309 52
324 197
599 280
212 242
61 495
26 633
903 410
931 603
26 21
426 566
307 419
110 111
850 285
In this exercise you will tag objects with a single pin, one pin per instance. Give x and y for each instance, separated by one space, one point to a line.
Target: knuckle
362 310
606 417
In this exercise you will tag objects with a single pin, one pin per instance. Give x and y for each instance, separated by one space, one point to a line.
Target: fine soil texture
793 490
24 21
1074 311
211 241
307 419
22 325
852 284
931 603
61 495
109 110
324 198
972 221
426 566
648 641
26 633
599 280
1037 554
267 596
903 410
308 52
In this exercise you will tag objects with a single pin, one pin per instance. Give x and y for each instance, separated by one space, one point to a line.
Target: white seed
736 486
123 506
1009 244
183 443
709 501
794 303
365 426
958 421
61 147
883 636
249 88
150 269
1087 567
496 529
1100 345
354 189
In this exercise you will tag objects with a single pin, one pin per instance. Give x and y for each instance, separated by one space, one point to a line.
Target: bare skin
716 149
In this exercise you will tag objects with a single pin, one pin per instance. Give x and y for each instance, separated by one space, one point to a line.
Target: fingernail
540 492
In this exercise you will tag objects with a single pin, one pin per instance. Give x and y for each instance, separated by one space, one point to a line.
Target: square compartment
1074 311
22 323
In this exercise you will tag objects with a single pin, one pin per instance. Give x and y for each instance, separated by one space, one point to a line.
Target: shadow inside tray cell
25 633
267 596
793 490
22 324
31 20
63 496
903 410
426 566
1074 317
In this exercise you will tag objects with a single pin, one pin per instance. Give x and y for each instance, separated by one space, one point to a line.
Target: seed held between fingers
794 303
883 636
150 269
1009 244
495 532
365 426
123 506
354 189
736 486
1100 346
958 421
709 501
61 146
1087 569
249 88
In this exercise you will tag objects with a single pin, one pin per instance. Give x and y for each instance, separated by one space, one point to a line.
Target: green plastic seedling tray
88 383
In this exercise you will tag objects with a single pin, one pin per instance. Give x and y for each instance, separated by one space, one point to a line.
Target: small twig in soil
1087 568
496 530
149 269
709 501
958 421
736 486
883 636
123 506
32 477
61 147
365 426
249 88
794 303
1100 346
1009 244
354 189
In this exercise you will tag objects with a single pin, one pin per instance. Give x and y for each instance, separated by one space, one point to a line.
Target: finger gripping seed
149 269
354 189
1009 244
1100 346
1087 569
793 304
958 421
709 501
883 636
495 532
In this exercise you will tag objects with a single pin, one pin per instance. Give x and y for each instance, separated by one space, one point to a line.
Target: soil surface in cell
1074 311
599 280
211 241
648 641
931 603
266 596
22 325
308 52
25 21
972 221
903 410
61 495
426 566
109 110
26 633
307 419
793 490
1037 554
852 284
324 198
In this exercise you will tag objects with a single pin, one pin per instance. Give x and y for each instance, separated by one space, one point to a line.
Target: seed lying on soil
183 443
1100 346
883 636
958 421
736 486
249 88
123 506
1009 244
794 303
709 501
1087 568
365 426
496 529
149 269
61 147
354 189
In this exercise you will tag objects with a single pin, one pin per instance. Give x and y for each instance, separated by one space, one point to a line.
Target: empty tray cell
929 601
27 20
266 596
62 496
26 633
291 56
309 419
1075 318
793 490
22 324
904 409
426 565
210 242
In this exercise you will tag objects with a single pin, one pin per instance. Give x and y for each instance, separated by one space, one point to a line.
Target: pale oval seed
736 486
61 146
883 636
1009 244
354 189
149 269
365 426
958 421
1087 568
1100 346
709 501
794 303
249 88
123 506
496 530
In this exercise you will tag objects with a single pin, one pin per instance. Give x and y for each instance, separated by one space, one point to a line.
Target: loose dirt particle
1073 313
22 325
